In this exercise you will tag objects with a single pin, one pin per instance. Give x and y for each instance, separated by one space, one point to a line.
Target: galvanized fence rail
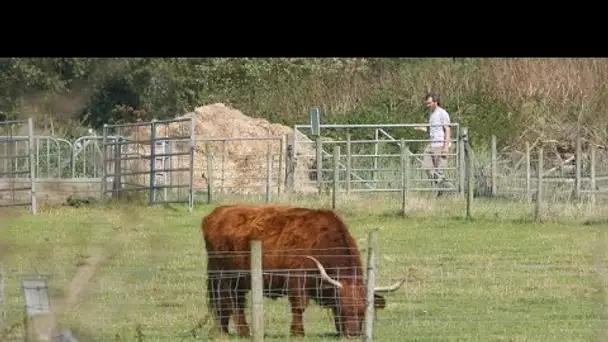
574 175
17 172
154 157
370 164
300 162
57 158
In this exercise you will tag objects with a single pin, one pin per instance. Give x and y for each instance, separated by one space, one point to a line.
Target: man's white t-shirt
437 119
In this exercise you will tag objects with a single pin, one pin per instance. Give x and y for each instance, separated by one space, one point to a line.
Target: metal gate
152 161
369 163
17 166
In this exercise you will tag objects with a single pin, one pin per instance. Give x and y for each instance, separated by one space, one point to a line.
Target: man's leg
428 162
441 163
440 166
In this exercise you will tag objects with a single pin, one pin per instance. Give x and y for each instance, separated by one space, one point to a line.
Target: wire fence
337 167
17 185
579 173
488 299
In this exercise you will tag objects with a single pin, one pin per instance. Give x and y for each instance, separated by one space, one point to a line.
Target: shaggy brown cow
299 241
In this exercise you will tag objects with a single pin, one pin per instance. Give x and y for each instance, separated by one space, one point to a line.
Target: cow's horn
324 274
391 288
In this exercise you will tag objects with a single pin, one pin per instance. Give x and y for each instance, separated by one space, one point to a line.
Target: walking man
435 158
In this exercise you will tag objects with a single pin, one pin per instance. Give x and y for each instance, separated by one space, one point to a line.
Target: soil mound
239 145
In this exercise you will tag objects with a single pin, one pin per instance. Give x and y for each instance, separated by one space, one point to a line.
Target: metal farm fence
135 163
251 166
372 162
17 172
579 174
442 298
58 158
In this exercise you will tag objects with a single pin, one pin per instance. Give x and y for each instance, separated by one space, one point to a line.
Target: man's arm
448 133
447 130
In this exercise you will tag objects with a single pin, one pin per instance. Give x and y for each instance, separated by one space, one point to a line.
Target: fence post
40 323
268 174
539 185
290 163
2 309
152 162
334 193
593 179
209 172
257 286
280 168
32 162
462 162
191 173
405 170
104 169
494 165
349 165
577 168
319 158
469 168
528 174
376 152
372 246
117 184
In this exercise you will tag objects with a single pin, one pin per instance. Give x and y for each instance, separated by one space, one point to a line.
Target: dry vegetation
536 97
239 164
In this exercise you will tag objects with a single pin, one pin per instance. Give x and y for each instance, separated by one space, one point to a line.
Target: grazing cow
298 244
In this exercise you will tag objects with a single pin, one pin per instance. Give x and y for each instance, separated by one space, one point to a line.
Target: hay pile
236 164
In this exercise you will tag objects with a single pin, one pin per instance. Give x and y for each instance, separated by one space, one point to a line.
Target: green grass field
120 271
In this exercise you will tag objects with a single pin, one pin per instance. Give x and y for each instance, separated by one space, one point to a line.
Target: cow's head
349 311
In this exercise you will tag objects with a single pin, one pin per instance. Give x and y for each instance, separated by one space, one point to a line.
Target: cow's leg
337 320
222 303
240 322
224 310
298 298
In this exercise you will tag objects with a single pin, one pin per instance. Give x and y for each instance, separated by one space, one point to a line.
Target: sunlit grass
498 277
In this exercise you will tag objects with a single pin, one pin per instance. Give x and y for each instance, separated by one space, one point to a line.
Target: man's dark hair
434 96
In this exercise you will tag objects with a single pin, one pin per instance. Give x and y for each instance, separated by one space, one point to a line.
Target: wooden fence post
578 165
40 322
117 184
269 165
319 158
528 174
462 162
494 165
349 165
405 169
2 301
32 162
539 185
469 168
209 157
336 180
280 171
257 286
593 177
290 163
370 283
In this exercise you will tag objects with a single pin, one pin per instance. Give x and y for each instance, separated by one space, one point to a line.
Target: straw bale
240 163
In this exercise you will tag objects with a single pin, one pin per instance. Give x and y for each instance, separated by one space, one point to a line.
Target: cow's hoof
243 332
297 333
